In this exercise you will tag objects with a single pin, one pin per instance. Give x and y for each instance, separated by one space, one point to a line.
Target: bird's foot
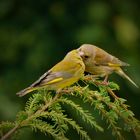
105 82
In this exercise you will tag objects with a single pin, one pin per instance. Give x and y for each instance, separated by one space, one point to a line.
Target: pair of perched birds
87 58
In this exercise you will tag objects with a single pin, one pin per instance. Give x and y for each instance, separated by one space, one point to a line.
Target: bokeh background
35 35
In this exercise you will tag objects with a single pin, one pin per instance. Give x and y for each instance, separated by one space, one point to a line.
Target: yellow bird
63 74
99 62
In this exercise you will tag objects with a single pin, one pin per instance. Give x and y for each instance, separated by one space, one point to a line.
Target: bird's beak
81 53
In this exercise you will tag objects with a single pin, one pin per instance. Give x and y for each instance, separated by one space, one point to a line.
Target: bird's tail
122 74
25 91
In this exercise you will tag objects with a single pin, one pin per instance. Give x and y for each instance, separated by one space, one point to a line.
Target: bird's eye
86 56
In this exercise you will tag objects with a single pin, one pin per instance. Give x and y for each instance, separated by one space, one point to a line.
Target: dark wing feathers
40 79
50 76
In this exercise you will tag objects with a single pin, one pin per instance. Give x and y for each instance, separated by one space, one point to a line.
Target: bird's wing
62 70
106 59
50 78
40 79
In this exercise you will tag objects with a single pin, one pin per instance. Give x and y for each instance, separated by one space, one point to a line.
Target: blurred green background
35 35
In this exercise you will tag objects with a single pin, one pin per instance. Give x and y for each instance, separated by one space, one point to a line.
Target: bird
63 74
100 63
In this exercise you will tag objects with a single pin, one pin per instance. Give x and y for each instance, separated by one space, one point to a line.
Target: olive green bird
100 63
63 74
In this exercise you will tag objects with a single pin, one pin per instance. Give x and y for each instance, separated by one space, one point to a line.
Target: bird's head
87 52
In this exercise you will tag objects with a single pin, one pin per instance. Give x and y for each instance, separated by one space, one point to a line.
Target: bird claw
105 83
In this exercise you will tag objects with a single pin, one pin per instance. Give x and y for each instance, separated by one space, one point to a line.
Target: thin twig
9 133
112 93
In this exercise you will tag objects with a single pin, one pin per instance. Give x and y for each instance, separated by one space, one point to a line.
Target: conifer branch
25 122
45 106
